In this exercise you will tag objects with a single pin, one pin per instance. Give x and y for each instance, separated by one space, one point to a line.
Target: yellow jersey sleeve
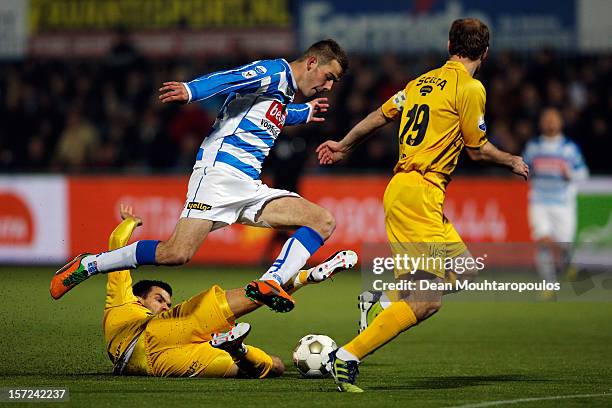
119 284
471 109
394 105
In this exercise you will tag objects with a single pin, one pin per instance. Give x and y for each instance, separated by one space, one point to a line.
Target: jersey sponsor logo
481 124
249 74
261 69
193 205
270 127
426 90
432 80
276 114
549 165
194 369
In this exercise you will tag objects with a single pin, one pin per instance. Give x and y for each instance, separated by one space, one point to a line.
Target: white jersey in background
556 164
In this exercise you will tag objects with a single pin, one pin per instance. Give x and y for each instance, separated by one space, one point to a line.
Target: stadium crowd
104 115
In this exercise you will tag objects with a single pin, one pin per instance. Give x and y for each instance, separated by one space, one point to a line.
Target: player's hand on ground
173 92
318 105
331 152
519 167
128 212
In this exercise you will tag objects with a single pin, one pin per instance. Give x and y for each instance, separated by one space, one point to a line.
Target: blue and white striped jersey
257 107
555 163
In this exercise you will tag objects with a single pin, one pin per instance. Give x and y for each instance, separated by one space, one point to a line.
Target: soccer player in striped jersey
224 187
557 164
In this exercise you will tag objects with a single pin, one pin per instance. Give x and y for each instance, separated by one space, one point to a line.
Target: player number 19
418 119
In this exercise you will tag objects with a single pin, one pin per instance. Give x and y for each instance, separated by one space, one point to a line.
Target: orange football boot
68 277
271 294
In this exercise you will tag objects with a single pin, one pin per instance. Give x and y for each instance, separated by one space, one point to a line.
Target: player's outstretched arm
245 79
491 154
119 284
122 233
330 151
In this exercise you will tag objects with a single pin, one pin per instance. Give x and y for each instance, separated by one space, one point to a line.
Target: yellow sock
388 324
301 279
256 362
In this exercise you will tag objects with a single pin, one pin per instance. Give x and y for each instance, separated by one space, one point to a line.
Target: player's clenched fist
330 152
173 92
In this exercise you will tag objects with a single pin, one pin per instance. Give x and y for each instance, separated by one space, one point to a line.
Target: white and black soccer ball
310 355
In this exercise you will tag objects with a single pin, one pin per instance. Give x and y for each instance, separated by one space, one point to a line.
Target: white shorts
217 195
554 221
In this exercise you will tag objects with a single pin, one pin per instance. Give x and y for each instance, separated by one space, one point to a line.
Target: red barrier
483 210
94 211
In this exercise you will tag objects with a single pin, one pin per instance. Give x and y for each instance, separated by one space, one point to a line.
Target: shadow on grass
449 382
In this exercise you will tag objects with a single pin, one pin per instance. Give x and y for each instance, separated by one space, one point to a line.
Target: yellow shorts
416 225
175 343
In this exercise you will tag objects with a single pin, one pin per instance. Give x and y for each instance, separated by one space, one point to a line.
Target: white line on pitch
519 400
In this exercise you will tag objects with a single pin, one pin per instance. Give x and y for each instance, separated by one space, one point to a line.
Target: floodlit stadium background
82 129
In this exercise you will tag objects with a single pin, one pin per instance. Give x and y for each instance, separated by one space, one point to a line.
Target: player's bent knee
278 367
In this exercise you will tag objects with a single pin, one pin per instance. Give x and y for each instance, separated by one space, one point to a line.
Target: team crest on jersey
276 114
425 89
481 124
261 69
249 74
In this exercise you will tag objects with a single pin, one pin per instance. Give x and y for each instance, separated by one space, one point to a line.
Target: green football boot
369 307
343 372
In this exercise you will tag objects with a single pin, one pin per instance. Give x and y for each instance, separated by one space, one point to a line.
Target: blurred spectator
120 115
77 143
187 129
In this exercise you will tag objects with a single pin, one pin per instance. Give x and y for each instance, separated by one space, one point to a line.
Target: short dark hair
327 51
143 287
468 37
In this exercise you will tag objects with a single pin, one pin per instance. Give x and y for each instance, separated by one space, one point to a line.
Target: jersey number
418 119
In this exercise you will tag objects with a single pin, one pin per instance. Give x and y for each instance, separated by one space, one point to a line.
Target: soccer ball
310 355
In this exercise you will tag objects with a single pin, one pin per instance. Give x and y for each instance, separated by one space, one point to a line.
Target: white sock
116 260
291 259
344 355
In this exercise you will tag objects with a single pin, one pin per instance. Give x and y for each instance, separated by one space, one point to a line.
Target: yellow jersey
124 317
443 111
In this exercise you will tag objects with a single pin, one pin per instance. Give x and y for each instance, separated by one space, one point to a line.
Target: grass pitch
470 353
